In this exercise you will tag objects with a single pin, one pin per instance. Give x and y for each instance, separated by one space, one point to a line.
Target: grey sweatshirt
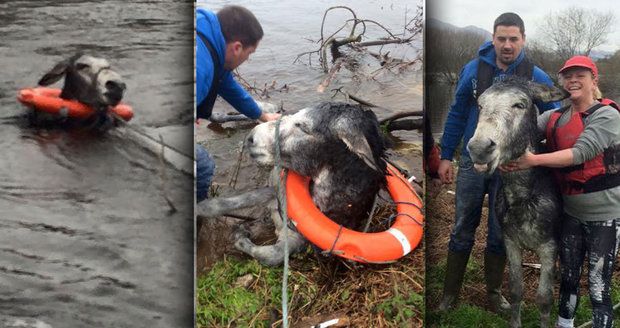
601 130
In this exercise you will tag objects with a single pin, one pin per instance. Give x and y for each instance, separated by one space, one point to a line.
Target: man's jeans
205 167
471 187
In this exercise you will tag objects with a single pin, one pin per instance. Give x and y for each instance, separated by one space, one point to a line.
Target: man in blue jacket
223 42
496 60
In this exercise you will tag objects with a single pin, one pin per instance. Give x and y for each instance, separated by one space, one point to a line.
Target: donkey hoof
243 244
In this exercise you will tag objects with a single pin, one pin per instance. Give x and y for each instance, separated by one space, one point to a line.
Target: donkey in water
89 80
528 204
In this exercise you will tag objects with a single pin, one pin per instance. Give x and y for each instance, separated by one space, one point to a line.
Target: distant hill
596 55
438 24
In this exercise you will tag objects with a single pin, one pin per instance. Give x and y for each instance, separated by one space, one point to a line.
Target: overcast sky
482 13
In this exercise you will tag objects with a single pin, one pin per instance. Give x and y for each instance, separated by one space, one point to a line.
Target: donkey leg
214 207
547 254
513 251
270 255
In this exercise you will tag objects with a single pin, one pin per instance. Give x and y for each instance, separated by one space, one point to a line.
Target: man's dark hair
239 24
509 19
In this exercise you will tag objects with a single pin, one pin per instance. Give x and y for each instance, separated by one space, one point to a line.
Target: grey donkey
528 205
89 80
339 146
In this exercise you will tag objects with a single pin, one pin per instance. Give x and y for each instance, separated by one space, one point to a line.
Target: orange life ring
379 247
48 100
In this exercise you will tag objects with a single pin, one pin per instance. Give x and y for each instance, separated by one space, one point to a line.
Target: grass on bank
388 296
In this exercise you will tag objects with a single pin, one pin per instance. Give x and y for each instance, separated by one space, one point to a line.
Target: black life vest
486 72
600 173
204 109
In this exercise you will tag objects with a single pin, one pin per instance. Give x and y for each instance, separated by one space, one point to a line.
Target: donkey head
89 80
507 121
322 136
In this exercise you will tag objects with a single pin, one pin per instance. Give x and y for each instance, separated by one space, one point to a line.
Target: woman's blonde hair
597 93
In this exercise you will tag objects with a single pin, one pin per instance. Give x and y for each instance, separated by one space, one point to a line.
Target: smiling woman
584 139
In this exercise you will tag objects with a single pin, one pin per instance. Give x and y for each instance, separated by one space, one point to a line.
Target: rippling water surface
88 238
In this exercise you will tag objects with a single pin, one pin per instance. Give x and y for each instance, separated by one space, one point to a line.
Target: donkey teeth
481 167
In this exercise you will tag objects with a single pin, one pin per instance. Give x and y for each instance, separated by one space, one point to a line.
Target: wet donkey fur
528 204
340 147
89 80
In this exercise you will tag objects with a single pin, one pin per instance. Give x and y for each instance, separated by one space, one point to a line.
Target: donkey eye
302 127
81 66
519 105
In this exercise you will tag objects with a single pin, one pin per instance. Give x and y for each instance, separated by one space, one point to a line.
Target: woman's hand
524 162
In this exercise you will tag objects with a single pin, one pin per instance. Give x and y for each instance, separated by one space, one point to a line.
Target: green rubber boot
493 274
455 270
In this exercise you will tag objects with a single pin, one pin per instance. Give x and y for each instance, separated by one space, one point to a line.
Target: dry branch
401 115
410 124
411 30
330 76
391 122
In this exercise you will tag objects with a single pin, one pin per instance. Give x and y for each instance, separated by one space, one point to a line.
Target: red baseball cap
580 61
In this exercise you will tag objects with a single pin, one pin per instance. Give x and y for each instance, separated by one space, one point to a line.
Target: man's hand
445 171
266 117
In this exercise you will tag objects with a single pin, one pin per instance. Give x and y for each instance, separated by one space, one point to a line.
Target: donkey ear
356 142
55 73
545 93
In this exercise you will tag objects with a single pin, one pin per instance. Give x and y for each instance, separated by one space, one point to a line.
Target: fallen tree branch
235 174
240 217
382 42
221 118
410 124
352 97
330 76
401 115
391 122
411 30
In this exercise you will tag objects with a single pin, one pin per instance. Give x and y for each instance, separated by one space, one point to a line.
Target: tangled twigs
352 97
332 38
263 92
332 72
411 30
393 122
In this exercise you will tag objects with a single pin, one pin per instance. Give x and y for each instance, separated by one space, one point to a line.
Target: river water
88 238
291 28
